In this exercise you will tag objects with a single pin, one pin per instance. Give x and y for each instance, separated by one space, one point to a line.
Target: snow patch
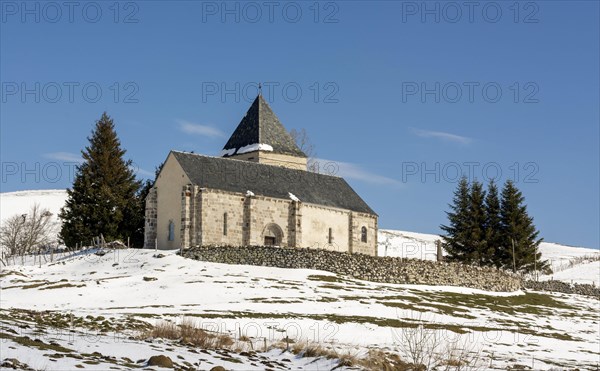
293 198
18 203
249 193
227 152
255 147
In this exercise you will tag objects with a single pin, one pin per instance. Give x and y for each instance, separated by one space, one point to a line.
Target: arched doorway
272 235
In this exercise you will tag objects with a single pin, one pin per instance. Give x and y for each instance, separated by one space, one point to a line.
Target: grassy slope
309 305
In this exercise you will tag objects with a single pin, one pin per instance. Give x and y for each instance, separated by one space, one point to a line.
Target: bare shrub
419 345
305 144
27 233
425 346
460 355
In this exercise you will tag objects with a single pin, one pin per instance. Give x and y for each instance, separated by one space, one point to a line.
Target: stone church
258 192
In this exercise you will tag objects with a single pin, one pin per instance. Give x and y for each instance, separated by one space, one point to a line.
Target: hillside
95 312
133 287
20 202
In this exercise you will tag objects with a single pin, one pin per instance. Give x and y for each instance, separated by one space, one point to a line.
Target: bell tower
260 137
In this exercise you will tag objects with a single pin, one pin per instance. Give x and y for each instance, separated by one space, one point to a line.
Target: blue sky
402 96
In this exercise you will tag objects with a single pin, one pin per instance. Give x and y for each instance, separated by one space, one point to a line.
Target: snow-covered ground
542 330
18 203
306 305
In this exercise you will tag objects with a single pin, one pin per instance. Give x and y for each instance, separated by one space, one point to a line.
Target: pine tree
134 218
138 215
456 240
103 197
519 234
493 253
476 225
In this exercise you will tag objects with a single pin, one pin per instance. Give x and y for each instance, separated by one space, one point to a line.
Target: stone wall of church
215 204
247 218
150 219
316 222
266 211
250 217
357 222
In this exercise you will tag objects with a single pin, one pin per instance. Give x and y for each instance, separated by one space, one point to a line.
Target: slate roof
261 126
271 181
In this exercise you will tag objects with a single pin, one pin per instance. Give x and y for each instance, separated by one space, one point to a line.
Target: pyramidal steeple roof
261 130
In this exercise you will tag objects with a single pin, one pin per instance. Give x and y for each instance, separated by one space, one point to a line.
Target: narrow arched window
363 234
225 224
330 236
171 230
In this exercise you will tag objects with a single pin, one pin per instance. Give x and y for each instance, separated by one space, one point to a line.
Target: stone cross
387 244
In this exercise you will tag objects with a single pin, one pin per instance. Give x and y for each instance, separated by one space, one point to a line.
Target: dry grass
379 360
164 330
374 359
455 356
188 332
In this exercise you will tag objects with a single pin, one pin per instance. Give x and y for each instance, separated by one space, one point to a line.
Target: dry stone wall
364 267
563 287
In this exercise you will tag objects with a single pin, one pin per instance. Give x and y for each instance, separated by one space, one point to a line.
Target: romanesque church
258 192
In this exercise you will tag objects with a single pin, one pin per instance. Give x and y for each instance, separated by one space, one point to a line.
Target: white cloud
64 156
198 129
442 135
349 170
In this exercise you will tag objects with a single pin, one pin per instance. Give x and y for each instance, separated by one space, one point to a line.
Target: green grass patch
34 343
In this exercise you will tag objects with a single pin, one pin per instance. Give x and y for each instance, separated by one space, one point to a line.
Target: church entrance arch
272 235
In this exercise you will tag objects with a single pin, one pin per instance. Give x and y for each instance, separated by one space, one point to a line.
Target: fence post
438 245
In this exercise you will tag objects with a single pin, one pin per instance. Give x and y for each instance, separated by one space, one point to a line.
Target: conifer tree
476 226
519 234
494 253
456 240
138 214
103 197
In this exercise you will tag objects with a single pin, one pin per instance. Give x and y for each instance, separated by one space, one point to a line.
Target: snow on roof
255 147
227 152
246 149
